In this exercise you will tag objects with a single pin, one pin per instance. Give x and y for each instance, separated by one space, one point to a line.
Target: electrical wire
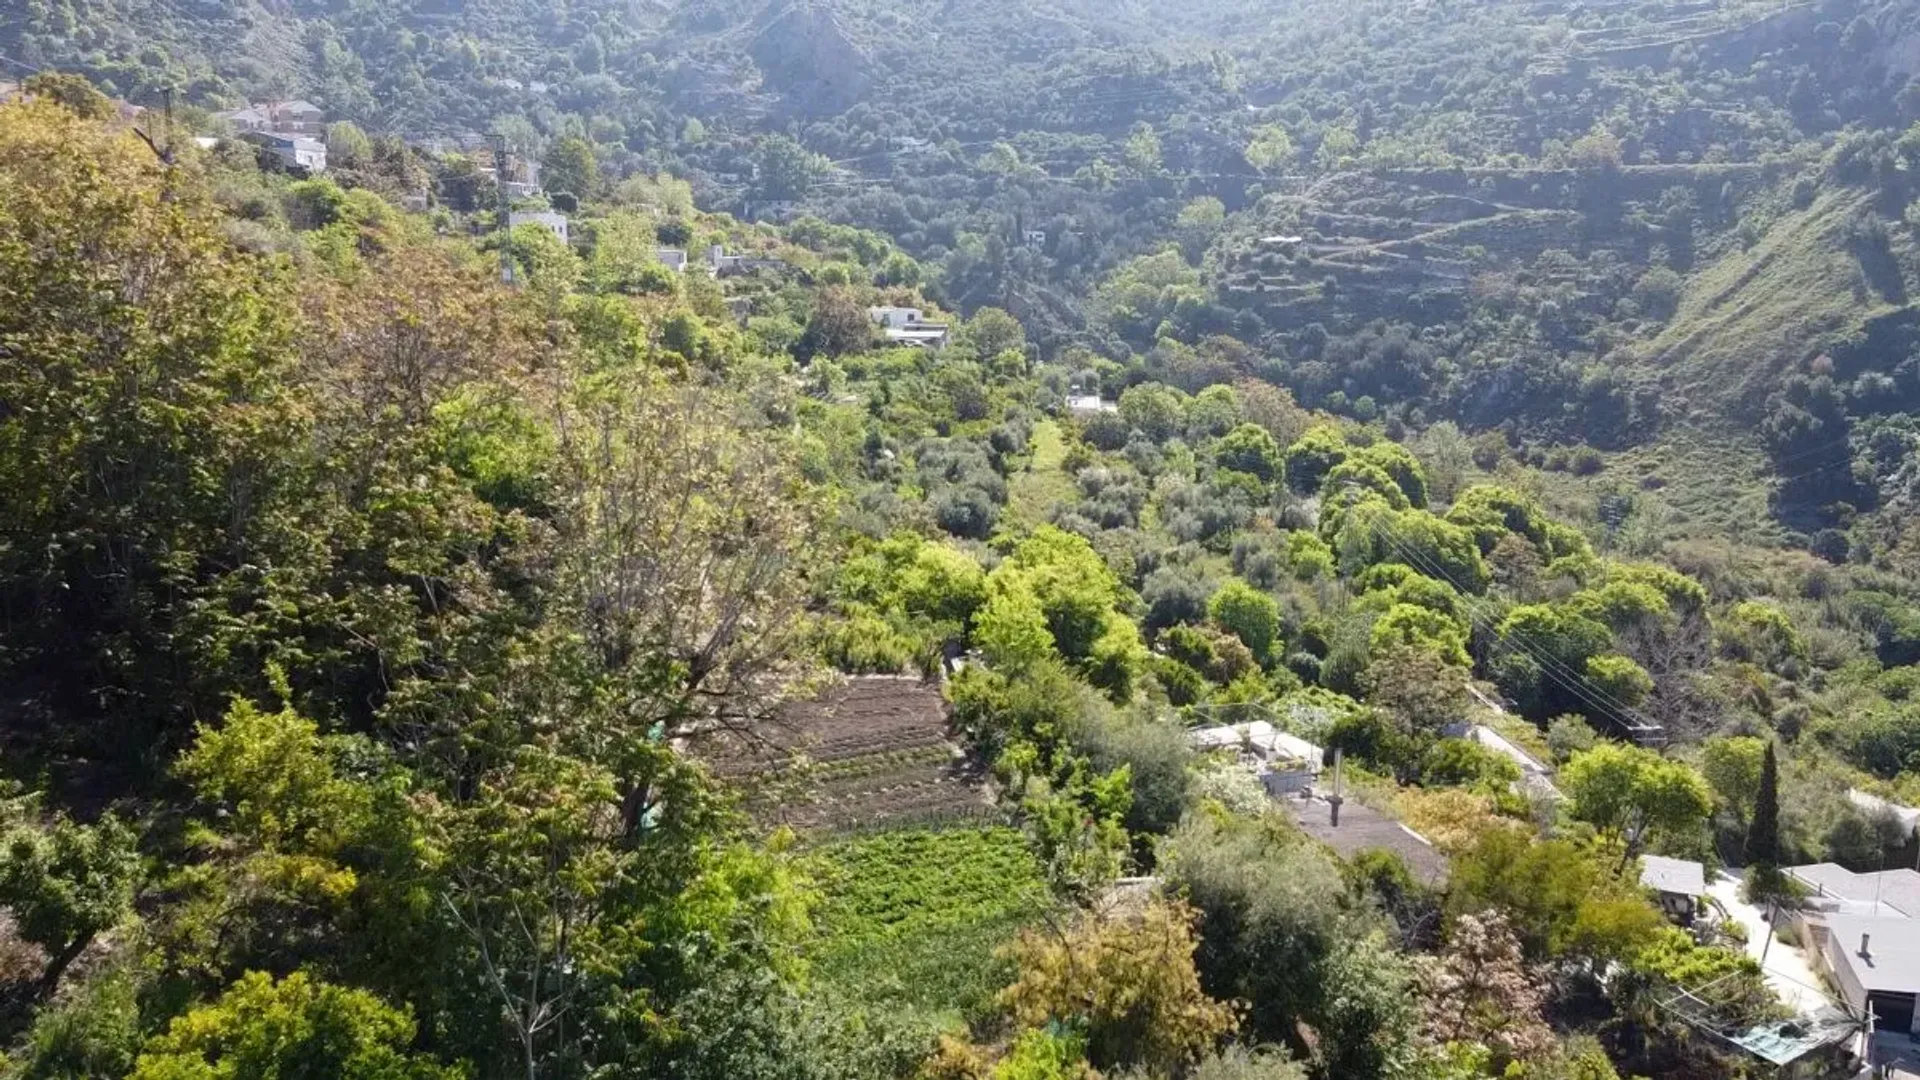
1573 682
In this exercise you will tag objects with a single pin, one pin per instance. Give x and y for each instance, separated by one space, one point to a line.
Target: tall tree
1763 834
1634 794
148 427
570 166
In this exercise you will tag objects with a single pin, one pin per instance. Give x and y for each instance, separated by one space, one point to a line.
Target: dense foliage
1385 373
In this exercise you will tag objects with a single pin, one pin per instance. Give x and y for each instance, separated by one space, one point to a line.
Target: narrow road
1785 967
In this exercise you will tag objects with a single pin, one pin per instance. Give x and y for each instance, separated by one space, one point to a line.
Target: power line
1563 676
22 65
1574 682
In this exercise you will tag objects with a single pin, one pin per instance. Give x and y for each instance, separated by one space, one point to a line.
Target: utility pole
502 210
1768 943
167 155
1334 800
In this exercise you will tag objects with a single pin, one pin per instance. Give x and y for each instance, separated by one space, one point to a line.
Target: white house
551 220
294 151
896 318
909 326
1680 884
674 258
1863 932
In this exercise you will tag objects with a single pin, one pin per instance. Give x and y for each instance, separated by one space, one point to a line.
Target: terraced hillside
870 752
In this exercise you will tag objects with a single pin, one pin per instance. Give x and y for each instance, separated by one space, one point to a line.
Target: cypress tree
1763 835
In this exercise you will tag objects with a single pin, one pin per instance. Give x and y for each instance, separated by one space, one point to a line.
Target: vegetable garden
913 917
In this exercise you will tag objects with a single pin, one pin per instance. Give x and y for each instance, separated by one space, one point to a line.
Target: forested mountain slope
381 638
435 646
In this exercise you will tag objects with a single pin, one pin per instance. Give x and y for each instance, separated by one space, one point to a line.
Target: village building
551 220
294 151
1862 932
280 118
1085 405
1679 883
909 326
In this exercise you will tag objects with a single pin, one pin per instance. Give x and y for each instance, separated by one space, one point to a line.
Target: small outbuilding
1680 883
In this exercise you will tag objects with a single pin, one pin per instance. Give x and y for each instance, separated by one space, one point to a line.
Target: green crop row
912 917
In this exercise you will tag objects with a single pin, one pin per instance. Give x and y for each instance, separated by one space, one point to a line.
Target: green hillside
863 551
1756 314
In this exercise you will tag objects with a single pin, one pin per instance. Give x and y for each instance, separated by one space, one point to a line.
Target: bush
966 512
1174 595
1249 614
1568 735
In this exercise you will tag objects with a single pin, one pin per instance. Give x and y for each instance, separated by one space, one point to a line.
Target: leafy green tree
1464 763
1271 149
991 332
571 165
1568 735
347 143
64 883
71 92
1763 634
1733 765
1076 592
1551 646
1276 933
1619 679
274 777
786 170
838 326
1399 463
1622 605
1338 144
260 1029
1143 152
1417 627
1249 449
149 388
1249 614
1423 689
1562 899
1156 411
1635 795
1358 474
1130 980
1491 510
1312 456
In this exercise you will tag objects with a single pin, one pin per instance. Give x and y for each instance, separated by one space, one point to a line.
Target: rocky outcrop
807 56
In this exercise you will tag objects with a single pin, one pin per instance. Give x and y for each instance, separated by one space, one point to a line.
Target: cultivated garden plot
869 753
913 916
